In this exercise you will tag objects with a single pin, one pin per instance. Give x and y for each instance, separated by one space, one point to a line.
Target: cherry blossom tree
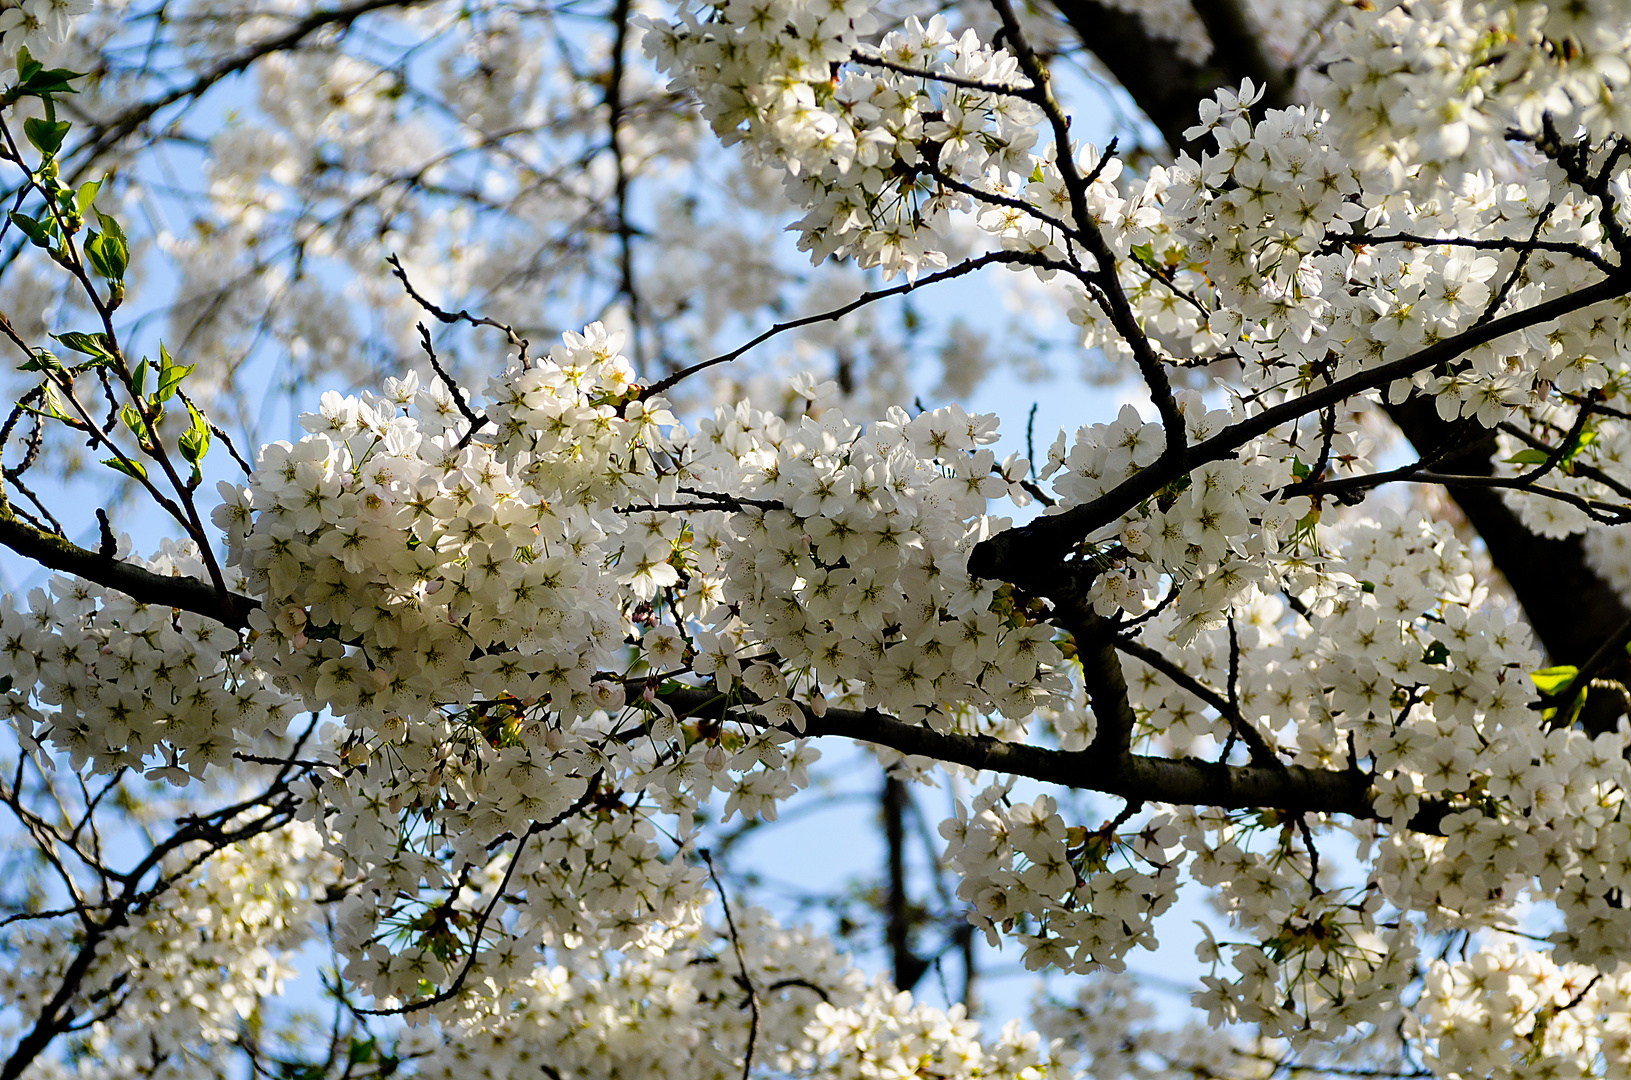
450 690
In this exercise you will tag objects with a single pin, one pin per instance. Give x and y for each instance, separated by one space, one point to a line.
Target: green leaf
1536 456
36 80
110 226
40 232
108 252
133 420
46 135
129 468
41 360
1553 680
195 441
138 378
194 446
95 243
1531 456
1437 654
170 375
97 345
27 66
1298 469
1555 683
86 196
5 684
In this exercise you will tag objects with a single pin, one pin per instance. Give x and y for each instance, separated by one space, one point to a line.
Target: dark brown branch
1027 555
1106 693
1237 39
1104 275
1175 781
1027 92
1167 87
907 966
615 108
521 344
1578 251
742 966
139 583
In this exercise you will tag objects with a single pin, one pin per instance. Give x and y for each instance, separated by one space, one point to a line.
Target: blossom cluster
1456 77
491 603
1083 898
193 965
683 1011
474 609
864 151
37 25
112 683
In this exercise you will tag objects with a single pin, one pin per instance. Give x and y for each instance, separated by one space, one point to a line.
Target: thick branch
139 583
908 966
1167 88
1238 46
1134 777
1028 555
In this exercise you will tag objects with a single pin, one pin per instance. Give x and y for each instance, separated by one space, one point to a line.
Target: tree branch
1175 781
139 583
1028 555
1262 752
1570 607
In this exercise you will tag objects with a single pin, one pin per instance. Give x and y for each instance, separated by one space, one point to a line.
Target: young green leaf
108 253
1531 456
195 441
41 360
110 226
97 345
129 468
170 375
34 79
45 135
86 196
40 232
53 403
1550 681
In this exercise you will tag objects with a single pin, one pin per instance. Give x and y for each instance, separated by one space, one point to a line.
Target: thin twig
741 962
1024 258
589 791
